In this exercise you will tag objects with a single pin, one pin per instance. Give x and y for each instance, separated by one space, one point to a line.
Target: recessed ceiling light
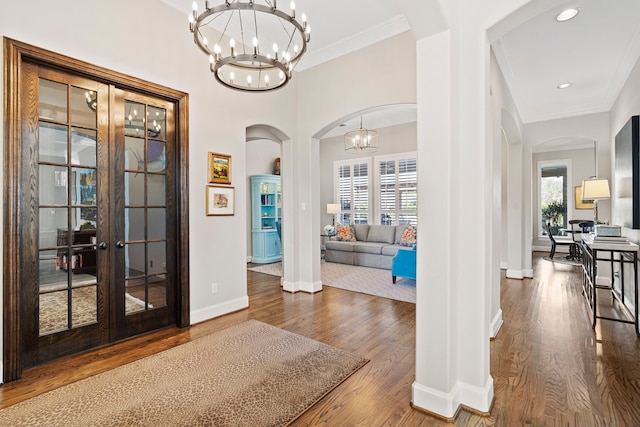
564 85
565 15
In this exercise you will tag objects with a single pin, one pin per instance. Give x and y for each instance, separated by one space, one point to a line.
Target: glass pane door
145 188
67 176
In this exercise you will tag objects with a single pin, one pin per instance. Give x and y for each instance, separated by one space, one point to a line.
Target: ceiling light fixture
243 64
564 85
567 14
361 140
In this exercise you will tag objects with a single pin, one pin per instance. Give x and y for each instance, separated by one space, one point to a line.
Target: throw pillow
409 236
345 233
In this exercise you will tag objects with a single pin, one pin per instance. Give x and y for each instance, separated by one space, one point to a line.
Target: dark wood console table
621 253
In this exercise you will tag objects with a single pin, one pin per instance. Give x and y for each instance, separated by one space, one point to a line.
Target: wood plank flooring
549 366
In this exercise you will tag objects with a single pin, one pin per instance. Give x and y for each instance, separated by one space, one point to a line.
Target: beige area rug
54 308
251 374
371 281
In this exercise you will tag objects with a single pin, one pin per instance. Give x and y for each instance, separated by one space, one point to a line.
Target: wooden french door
98 214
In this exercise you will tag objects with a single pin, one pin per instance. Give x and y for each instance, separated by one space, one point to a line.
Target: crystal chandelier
361 140
242 57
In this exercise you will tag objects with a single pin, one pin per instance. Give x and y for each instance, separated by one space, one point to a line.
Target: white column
453 282
515 267
303 273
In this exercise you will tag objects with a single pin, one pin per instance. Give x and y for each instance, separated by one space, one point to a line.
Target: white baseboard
515 274
447 404
528 273
496 324
504 265
249 258
300 286
217 310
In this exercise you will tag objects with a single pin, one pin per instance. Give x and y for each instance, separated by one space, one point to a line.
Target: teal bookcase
266 211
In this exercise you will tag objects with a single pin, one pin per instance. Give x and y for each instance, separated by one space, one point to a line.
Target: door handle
102 246
120 244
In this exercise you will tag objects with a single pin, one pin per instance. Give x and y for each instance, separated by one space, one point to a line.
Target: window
397 189
553 195
352 190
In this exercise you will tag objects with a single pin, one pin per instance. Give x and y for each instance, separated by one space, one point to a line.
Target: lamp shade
595 188
333 208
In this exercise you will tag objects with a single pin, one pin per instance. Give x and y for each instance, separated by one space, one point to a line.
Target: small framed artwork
582 204
220 200
219 168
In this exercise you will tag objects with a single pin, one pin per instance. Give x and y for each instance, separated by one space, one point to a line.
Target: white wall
260 162
393 139
626 105
591 127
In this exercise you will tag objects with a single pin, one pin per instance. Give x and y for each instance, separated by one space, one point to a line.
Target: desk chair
562 241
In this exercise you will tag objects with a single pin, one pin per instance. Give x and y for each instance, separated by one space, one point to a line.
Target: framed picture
219 168
582 204
220 200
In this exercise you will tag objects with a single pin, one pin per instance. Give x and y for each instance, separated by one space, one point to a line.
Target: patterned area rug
251 374
371 281
54 308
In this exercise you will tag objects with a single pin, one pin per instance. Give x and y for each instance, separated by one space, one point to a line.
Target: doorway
101 167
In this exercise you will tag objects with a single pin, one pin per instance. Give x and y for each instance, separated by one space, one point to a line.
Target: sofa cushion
340 246
368 247
381 233
390 250
399 231
345 233
362 231
409 236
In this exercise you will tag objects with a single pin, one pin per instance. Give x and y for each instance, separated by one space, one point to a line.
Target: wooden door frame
15 53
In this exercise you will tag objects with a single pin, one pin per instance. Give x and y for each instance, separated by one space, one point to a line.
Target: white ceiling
594 51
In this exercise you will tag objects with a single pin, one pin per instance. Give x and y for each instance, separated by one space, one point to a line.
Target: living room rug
250 374
371 281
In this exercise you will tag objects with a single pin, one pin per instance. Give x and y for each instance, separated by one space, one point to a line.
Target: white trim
447 404
528 273
217 310
496 324
300 286
514 274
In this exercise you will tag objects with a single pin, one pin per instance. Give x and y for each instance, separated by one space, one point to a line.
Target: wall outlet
214 288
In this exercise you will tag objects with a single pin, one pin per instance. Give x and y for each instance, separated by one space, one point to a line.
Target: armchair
404 264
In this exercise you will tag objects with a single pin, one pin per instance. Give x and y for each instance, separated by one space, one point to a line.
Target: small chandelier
246 65
361 140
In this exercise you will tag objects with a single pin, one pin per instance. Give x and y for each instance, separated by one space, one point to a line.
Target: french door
98 214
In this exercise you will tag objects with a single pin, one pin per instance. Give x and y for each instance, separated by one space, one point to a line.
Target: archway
263 139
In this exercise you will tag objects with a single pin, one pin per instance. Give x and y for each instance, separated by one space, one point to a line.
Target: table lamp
595 189
333 209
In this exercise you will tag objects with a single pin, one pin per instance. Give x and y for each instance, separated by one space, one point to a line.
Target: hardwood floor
549 366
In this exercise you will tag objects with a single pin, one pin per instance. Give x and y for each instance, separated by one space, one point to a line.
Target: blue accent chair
404 264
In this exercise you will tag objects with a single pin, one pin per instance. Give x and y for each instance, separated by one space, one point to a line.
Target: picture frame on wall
219 168
582 204
220 200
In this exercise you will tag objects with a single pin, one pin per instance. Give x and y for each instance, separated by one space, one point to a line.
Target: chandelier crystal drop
361 140
251 44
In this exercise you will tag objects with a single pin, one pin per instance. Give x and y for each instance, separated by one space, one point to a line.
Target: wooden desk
622 253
